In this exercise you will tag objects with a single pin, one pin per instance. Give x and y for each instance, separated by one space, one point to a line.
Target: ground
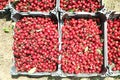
112 5
6 53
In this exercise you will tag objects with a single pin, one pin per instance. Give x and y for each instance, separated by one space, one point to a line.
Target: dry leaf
32 70
86 49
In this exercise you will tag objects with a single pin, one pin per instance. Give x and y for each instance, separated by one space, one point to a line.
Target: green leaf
89 35
32 70
71 10
53 78
99 51
6 29
102 40
86 49
99 25
13 25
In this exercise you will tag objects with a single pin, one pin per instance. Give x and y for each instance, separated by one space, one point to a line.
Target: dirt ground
6 43
112 5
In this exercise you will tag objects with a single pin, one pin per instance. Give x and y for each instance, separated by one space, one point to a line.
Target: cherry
3 3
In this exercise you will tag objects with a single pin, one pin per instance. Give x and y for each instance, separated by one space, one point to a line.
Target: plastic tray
63 11
113 15
103 18
14 73
14 11
2 10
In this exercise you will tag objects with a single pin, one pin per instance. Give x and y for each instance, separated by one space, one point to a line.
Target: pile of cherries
82 46
36 44
3 3
114 43
35 5
80 5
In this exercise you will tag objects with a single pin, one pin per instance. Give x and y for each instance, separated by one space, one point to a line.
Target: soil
112 5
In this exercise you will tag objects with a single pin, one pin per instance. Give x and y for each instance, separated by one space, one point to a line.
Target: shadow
96 78
6 15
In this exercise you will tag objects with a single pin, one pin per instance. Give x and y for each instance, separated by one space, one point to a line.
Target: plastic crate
112 16
64 11
14 72
102 17
14 11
